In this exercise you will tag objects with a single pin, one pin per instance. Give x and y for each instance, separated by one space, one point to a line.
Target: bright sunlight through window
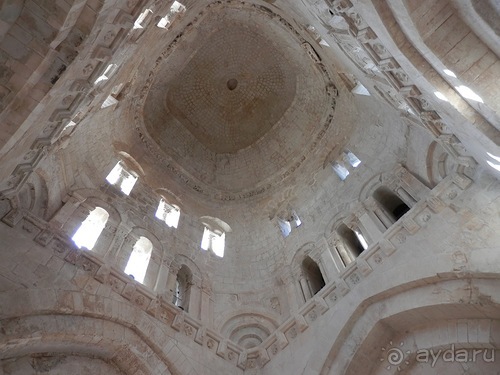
440 96
469 94
88 233
168 213
213 241
138 262
341 171
449 73
121 178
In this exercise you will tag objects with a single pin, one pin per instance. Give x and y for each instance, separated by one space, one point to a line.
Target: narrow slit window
89 231
122 178
138 262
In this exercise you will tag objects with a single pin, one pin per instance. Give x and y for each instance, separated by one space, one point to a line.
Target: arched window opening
138 262
170 214
340 170
214 234
176 9
391 202
110 100
352 159
359 89
110 70
122 178
142 17
313 275
295 219
214 240
183 288
287 225
87 234
352 240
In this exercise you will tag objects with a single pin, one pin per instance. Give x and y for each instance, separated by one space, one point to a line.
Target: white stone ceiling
237 103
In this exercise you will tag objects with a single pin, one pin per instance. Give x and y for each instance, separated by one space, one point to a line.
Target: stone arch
399 314
183 288
309 273
41 195
248 328
349 245
82 337
198 277
445 33
389 195
187 279
313 275
395 178
301 253
390 202
344 243
431 340
131 163
437 160
412 50
123 322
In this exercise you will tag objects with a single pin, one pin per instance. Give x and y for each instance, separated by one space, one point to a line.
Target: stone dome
232 87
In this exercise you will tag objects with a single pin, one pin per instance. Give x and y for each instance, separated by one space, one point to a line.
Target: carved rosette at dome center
235 103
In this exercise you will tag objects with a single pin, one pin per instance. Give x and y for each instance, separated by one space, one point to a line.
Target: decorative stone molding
362 266
362 45
142 297
182 176
82 92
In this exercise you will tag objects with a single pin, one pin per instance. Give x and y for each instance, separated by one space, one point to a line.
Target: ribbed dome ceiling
238 83
233 90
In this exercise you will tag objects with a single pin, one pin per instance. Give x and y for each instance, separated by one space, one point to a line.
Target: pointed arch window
89 231
138 262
